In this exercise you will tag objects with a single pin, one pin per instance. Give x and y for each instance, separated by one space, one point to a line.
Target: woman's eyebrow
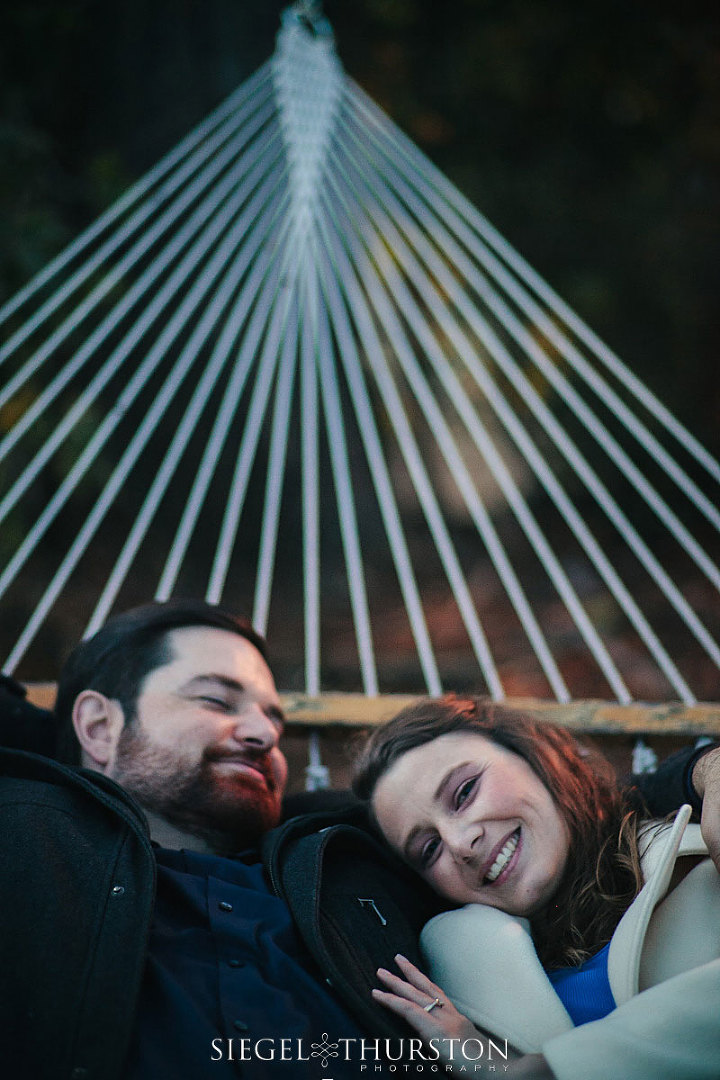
448 779
417 830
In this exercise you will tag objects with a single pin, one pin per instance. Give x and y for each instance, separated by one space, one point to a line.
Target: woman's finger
405 1007
417 978
445 1023
423 1022
402 988
413 985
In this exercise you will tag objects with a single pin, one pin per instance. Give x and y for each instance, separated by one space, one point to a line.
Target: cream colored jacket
663 967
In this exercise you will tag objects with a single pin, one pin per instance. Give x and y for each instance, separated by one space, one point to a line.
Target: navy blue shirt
227 979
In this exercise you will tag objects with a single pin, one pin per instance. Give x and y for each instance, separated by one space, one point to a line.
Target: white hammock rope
143 373
133 451
210 376
402 351
571 451
561 384
251 434
213 228
467 352
229 108
439 230
310 484
277 460
140 247
296 324
481 232
455 462
372 442
263 305
347 513
421 481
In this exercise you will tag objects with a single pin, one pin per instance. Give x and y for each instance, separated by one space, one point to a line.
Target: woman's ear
98 721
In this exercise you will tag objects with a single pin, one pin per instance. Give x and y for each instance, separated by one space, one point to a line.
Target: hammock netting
295 371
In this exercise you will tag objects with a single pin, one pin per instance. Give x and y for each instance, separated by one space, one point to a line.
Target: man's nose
254 728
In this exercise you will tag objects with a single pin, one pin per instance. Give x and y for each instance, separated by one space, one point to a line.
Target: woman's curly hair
602 875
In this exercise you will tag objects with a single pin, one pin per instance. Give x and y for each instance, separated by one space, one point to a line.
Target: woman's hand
410 998
426 1009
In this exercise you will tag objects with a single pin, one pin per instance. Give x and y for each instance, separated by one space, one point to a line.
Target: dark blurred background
588 133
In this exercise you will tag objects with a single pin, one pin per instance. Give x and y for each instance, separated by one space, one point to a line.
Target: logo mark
324 1050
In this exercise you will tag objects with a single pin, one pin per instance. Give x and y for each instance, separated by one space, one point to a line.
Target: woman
573 910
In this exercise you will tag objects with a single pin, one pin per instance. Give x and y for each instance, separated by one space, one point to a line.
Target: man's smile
243 764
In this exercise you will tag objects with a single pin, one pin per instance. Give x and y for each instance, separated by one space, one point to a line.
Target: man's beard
227 812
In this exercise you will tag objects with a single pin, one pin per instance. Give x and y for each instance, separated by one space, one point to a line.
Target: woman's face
476 822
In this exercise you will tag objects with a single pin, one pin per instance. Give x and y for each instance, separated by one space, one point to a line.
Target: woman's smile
505 860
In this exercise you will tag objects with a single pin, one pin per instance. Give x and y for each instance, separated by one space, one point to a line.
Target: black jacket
77 885
77 882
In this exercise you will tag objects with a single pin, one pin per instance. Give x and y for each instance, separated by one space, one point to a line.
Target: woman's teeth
503 858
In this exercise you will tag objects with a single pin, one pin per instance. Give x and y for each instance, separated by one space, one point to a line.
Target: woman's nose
465 842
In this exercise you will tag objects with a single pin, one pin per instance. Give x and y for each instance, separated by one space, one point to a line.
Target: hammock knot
308 80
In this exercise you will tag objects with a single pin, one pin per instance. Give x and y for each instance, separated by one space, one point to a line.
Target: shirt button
118 890
224 906
240 1025
236 963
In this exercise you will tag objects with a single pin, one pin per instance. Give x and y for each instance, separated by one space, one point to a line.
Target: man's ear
98 721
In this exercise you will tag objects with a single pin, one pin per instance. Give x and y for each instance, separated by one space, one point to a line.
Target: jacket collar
29 766
660 846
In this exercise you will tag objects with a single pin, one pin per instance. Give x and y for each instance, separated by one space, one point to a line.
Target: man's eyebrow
228 683
438 795
211 677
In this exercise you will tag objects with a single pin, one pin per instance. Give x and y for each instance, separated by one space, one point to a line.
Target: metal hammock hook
309 14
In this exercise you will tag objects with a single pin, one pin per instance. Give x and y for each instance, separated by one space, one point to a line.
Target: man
134 946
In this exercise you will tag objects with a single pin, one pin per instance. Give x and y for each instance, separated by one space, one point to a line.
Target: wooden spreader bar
594 717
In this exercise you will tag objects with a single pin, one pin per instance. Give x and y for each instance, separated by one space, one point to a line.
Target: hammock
292 368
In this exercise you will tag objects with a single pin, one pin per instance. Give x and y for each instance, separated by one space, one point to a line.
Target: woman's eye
428 851
464 792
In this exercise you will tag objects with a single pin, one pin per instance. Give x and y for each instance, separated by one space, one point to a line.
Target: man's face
203 751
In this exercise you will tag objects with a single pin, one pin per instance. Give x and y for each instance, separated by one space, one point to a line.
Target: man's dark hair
119 657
